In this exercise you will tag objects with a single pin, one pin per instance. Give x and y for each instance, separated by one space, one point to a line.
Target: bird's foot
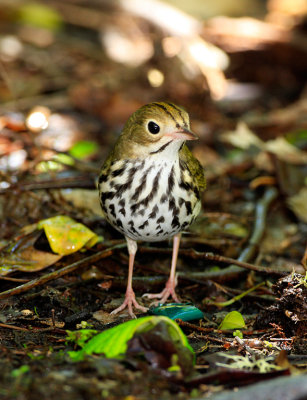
168 291
129 302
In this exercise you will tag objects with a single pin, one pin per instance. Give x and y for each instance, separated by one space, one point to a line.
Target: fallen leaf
114 342
242 137
232 320
21 255
84 199
66 236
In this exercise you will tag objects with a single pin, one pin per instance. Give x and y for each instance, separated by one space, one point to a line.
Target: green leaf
63 159
80 337
40 15
232 320
83 149
236 229
66 236
57 163
16 373
48 166
298 138
238 333
113 342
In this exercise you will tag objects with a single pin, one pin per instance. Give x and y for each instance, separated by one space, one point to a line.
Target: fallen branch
197 328
61 272
260 220
17 328
196 255
79 181
236 298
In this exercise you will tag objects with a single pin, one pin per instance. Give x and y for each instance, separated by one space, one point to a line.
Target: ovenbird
150 185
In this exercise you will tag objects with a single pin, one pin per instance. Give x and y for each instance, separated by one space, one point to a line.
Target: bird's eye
153 127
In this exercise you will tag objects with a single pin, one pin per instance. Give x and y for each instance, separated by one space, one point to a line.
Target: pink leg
130 296
169 289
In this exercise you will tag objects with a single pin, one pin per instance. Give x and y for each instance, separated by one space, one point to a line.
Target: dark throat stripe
161 148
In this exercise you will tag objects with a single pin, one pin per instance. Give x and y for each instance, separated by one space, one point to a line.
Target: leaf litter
249 244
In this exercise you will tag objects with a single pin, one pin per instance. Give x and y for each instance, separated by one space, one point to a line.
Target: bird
150 186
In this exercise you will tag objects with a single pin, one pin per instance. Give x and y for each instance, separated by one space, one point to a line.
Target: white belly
147 200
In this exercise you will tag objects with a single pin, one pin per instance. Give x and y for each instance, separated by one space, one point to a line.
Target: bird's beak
183 134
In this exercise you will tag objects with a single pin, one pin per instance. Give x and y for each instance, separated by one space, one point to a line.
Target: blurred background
73 71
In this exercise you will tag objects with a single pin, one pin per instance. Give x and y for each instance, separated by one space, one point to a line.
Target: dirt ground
72 73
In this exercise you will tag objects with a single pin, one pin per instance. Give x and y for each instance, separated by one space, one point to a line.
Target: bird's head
155 129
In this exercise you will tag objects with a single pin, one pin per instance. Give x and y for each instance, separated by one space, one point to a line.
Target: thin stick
80 181
17 328
61 272
217 258
201 329
8 278
236 298
260 223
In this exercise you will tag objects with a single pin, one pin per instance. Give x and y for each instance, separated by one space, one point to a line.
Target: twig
8 278
79 181
55 101
61 272
245 346
259 227
17 328
267 296
197 328
236 298
217 258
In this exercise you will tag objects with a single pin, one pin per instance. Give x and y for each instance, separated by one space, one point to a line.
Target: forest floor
64 99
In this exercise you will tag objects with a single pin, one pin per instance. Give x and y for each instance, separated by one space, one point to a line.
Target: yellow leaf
66 236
